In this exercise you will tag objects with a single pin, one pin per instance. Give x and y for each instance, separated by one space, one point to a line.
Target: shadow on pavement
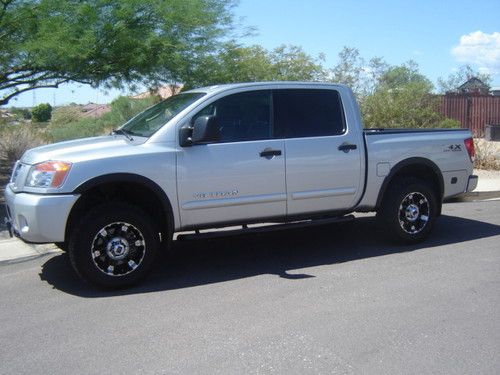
201 262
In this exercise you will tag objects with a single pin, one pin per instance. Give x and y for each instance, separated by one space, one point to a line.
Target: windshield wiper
122 132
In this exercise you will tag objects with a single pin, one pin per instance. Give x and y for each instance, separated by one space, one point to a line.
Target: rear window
307 113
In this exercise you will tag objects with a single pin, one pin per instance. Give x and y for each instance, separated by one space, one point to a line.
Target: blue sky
439 35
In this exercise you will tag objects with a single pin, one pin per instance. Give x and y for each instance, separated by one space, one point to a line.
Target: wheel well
134 193
426 172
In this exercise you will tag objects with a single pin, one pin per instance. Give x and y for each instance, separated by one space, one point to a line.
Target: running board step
262 229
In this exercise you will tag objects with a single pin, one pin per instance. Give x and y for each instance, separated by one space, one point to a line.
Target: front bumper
472 184
38 218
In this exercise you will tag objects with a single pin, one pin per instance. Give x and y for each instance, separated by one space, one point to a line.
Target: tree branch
5 100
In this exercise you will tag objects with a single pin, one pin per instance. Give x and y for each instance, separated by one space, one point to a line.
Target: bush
449 123
15 140
84 127
486 155
65 115
42 112
23 113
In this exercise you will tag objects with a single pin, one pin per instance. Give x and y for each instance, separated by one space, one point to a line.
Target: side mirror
204 130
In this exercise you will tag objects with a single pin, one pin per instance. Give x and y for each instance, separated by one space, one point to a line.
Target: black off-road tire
105 234
408 210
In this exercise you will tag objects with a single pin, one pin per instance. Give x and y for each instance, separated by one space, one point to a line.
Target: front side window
242 117
308 113
146 123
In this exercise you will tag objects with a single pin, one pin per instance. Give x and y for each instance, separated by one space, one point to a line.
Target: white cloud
480 49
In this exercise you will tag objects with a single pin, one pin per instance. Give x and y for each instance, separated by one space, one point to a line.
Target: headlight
49 174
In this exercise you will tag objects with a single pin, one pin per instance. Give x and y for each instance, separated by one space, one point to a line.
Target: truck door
240 177
323 157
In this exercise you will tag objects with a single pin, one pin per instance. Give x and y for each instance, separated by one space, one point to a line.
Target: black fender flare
414 161
137 179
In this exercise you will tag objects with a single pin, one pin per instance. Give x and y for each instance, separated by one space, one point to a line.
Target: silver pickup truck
272 152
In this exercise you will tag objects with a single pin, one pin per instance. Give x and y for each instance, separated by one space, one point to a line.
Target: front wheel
408 210
113 246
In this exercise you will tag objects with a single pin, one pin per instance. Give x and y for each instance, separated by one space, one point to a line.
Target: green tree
403 98
399 77
42 112
44 43
254 63
462 75
349 69
354 71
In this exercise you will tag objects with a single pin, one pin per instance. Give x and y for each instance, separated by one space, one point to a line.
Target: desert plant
42 112
23 113
448 123
15 140
485 155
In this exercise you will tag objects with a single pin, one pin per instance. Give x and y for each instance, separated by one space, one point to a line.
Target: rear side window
307 113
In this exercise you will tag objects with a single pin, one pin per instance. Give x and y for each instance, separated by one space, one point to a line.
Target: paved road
333 299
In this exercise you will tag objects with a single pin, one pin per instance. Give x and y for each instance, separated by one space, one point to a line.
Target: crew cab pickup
270 152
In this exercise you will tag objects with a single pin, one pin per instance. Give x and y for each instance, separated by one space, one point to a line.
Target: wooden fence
473 112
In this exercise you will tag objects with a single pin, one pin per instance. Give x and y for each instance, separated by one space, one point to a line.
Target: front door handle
269 153
346 147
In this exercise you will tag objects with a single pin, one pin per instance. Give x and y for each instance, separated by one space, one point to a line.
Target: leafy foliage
42 112
354 71
245 64
44 43
403 98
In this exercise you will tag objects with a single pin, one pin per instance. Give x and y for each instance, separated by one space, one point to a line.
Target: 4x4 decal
453 148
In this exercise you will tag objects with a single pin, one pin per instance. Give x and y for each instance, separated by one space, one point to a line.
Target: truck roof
228 86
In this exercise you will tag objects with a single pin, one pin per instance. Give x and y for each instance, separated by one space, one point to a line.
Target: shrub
23 113
448 123
15 140
486 155
65 115
84 127
42 112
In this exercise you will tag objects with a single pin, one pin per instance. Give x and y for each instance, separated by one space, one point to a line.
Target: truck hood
82 149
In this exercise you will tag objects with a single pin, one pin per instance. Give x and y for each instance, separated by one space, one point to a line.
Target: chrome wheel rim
414 213
118 249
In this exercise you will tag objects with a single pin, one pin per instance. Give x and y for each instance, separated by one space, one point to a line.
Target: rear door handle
269 153
346 147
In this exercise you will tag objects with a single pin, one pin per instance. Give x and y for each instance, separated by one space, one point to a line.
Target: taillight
469 145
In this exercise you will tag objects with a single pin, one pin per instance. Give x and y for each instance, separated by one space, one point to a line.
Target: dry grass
487 154
14 141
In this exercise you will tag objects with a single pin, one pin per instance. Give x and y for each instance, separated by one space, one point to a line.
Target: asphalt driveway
330 299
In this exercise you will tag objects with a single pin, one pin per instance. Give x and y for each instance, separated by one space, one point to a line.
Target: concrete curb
475 196
14 250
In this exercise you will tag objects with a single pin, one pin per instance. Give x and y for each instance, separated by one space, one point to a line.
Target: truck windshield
148 122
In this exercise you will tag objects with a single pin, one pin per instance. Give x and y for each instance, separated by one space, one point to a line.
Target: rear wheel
113 246
408 210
